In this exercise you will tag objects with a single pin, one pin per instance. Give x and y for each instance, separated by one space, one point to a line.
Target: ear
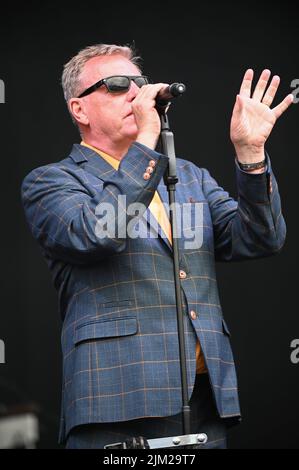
77 109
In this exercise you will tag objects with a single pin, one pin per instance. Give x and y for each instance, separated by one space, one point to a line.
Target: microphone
172 91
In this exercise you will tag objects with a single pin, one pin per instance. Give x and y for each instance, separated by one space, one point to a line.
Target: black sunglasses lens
140 81
122 83
116 84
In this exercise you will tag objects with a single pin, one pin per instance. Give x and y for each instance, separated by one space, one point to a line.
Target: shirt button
152 163
146 176
193 315
149 170
183 275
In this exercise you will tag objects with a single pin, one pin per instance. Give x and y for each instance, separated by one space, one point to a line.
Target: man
121 375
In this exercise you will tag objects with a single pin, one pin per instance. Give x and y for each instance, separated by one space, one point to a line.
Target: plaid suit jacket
117 296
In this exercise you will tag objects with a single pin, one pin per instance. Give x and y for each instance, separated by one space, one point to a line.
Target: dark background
207 46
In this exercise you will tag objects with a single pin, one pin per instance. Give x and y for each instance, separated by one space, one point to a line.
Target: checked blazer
117 295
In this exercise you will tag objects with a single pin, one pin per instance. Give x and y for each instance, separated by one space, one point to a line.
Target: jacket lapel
91 162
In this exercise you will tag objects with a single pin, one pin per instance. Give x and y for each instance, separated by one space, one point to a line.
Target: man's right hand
146 115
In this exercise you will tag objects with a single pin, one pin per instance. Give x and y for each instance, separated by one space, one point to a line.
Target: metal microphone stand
186 440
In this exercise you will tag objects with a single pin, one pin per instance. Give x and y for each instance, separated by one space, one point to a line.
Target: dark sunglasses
117 83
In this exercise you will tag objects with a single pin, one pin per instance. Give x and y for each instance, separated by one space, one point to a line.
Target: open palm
252 119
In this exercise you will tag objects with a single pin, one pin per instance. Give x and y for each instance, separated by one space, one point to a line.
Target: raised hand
252 119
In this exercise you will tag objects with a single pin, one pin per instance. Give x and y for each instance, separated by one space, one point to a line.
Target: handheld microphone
172 91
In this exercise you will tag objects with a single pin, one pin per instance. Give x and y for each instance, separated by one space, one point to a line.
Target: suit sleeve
251 227
64 217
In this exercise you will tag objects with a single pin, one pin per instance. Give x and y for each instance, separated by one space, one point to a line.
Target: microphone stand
187 440
170 180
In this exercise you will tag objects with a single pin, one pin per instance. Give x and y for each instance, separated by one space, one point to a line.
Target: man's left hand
252 119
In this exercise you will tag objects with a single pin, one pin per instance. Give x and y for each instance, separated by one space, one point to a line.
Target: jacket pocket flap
98 329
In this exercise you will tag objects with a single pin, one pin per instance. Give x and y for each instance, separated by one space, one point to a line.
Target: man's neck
115 150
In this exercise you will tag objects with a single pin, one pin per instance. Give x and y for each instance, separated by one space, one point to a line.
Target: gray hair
72 70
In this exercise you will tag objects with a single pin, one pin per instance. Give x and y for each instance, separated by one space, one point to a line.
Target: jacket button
149 170
146 176
152 163
193 315
183 275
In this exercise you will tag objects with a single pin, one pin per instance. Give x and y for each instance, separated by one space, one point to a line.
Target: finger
151 91
245 89
271 92
283 106
261 85
239 105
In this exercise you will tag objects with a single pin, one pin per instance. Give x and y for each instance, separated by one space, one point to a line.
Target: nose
133 91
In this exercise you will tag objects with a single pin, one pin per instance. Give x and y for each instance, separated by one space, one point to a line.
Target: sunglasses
117 83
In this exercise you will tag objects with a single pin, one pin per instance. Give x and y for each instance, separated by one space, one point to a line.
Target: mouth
129 114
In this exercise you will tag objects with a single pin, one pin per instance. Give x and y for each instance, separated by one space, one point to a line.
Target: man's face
110 114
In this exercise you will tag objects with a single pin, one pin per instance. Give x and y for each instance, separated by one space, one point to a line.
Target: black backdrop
208 46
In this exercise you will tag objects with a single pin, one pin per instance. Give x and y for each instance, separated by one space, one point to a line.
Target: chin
132 133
